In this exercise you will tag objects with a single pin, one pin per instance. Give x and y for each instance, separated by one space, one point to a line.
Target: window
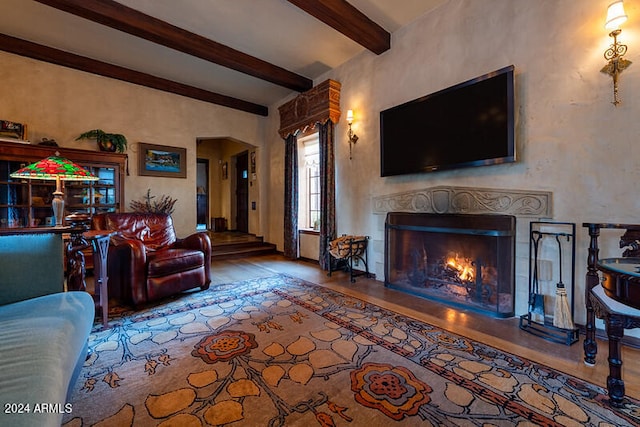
309 182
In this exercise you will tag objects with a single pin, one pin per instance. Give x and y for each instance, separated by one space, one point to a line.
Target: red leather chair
147 261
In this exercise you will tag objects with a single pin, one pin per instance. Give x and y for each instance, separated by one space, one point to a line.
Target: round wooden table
614 301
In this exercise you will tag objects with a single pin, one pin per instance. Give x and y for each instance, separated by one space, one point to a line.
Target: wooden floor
500 333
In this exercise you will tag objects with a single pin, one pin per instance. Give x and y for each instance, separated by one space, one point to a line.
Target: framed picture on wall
162 160
11 130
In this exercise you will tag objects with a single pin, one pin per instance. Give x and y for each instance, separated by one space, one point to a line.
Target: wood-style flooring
503 334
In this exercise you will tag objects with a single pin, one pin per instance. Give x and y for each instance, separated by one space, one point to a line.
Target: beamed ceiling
241 54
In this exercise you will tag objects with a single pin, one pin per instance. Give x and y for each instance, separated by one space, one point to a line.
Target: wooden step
227 245
241 250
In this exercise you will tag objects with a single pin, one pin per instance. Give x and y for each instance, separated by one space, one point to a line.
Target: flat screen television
469 124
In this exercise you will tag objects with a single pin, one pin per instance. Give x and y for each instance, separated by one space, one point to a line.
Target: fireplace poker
562 312
536 299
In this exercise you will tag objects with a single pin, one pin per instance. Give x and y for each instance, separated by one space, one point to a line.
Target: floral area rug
279 351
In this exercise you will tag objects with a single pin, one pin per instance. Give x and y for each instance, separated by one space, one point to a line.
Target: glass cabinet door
93 196
41 197
14 197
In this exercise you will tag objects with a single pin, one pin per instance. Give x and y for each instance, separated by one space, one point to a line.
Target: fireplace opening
463 260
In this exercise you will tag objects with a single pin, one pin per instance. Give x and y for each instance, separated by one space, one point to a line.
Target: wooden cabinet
27 203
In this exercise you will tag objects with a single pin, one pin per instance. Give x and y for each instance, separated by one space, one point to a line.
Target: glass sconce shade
615 16
349 116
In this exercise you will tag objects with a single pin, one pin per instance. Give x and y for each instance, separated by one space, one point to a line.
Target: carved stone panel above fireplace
469 200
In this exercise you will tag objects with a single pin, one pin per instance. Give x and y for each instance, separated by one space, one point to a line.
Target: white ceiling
275 31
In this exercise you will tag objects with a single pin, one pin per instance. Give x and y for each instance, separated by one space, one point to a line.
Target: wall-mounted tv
469 124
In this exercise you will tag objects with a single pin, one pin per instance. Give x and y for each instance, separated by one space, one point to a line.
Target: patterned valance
317 105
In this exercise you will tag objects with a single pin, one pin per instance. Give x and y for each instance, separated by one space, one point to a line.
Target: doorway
202 194
242 192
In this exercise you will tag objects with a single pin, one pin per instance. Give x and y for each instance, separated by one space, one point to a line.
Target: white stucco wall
571 139
60 103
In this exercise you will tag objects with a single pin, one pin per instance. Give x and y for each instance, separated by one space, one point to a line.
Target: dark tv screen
469 124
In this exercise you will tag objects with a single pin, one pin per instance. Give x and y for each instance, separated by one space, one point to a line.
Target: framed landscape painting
162 160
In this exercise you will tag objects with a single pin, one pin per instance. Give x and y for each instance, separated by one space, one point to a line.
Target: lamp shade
349 116
615 15
55 167
60 169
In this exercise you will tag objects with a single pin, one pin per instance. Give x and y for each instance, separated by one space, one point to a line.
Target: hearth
467 261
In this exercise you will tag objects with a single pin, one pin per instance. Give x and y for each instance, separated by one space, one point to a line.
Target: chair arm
200 242
197 241
128 262
131 256
135 247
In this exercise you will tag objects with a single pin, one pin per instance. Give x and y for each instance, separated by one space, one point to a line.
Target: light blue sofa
43 331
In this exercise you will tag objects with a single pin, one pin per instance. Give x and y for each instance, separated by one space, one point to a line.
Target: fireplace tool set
536 299
562 316
556 325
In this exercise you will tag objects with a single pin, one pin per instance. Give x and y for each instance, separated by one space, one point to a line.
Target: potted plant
164 205
106 141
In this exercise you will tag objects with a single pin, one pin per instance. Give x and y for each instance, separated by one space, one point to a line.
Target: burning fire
463 267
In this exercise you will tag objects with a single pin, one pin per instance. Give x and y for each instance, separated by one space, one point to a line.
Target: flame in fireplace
464 267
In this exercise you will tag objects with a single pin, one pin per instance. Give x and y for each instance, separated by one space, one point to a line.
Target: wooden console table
610 304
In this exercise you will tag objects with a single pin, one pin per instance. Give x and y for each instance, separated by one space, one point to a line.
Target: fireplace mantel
468 200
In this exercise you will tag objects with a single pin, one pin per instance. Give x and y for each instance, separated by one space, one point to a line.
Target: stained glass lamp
60 169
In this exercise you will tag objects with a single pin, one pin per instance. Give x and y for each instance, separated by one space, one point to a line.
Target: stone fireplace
522 205
463 260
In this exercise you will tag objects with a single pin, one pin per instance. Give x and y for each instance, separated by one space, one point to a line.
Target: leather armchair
147 261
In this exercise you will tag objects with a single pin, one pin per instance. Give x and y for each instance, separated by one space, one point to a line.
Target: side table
99 241
617 316
592 278
100 244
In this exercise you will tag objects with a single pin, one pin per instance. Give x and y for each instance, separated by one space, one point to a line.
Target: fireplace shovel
536 299
562 312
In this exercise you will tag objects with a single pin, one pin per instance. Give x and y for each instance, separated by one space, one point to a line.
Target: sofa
43 331
147 261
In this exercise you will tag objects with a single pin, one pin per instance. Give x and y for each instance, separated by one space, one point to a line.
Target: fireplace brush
562 313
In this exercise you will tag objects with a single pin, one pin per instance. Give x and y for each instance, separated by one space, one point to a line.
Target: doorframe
207 190
236 185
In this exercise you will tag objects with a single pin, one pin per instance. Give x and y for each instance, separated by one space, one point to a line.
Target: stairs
232 244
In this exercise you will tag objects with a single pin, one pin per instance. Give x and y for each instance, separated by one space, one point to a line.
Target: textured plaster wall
571 139
61 103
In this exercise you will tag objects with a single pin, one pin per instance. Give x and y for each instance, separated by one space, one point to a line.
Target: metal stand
348 252
557 232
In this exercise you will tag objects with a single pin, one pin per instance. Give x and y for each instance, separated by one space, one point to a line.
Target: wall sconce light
353 138
614 54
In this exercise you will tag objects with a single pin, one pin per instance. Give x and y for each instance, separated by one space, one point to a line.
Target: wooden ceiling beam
343 17
77 62
131 21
